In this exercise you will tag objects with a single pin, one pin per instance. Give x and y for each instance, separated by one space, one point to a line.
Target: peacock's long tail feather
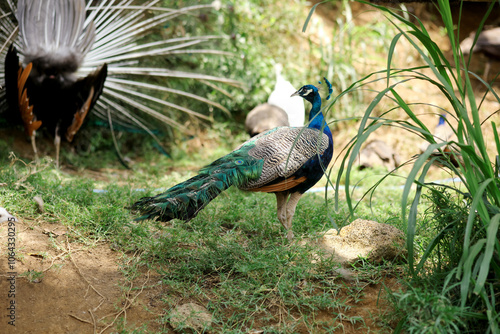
184 200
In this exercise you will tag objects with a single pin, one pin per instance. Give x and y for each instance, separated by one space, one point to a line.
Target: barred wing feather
284 151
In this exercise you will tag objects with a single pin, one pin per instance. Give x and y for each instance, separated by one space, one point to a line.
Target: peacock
443 132
103 57
286 161
44 89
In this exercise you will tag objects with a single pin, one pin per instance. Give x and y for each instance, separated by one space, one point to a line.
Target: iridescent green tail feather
185 200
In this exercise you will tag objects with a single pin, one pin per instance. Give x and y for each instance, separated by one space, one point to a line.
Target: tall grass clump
468 284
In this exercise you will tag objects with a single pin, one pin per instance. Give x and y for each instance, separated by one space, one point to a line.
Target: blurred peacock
286 161
76 56
44 89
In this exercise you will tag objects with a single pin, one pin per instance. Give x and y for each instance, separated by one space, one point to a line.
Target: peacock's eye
239 162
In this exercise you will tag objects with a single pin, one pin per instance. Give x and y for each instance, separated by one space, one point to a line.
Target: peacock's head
308 92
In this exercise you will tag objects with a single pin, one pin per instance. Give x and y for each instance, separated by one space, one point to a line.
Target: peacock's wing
86 90
17 94
284 151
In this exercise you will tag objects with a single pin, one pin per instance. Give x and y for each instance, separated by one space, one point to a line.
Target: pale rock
39 201
365 239
6 217
378 153
192 316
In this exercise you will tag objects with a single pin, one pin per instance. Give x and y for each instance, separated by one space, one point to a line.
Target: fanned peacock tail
185 200
130 92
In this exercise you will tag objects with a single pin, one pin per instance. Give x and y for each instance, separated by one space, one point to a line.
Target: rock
6 217
39 201
265 117
192 316
378 153
367 239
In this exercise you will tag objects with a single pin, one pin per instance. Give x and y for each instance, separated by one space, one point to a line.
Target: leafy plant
478 271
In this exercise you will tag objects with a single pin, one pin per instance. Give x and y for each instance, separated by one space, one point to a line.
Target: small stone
192 316
378 153
365 239
39 201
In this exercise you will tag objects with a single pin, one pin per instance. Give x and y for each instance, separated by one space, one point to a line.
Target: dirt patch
67 287
367 313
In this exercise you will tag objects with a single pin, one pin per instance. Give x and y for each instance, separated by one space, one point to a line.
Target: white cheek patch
307 92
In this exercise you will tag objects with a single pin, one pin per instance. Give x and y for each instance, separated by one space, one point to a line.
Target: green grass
233 258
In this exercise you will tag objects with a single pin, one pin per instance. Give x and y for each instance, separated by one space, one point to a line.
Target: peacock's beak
295 94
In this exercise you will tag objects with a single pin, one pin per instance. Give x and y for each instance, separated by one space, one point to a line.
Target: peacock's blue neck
316 119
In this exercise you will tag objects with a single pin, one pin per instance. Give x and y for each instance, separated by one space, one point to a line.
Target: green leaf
491 238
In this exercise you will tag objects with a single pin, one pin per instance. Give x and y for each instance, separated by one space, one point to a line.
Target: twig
127 305
93 320
80 319
54 260
79 271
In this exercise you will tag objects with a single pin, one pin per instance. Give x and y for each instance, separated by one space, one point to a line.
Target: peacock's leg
290 211
33 144
57 143
281 198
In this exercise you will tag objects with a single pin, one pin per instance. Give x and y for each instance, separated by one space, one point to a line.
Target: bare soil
68 287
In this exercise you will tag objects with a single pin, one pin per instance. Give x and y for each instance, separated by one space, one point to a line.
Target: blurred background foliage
254 36
260 34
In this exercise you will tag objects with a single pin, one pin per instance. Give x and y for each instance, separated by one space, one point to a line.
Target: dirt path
66 287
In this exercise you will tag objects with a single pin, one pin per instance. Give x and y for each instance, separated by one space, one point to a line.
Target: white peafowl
293 106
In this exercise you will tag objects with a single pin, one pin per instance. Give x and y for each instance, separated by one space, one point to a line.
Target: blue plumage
286 161
442 119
